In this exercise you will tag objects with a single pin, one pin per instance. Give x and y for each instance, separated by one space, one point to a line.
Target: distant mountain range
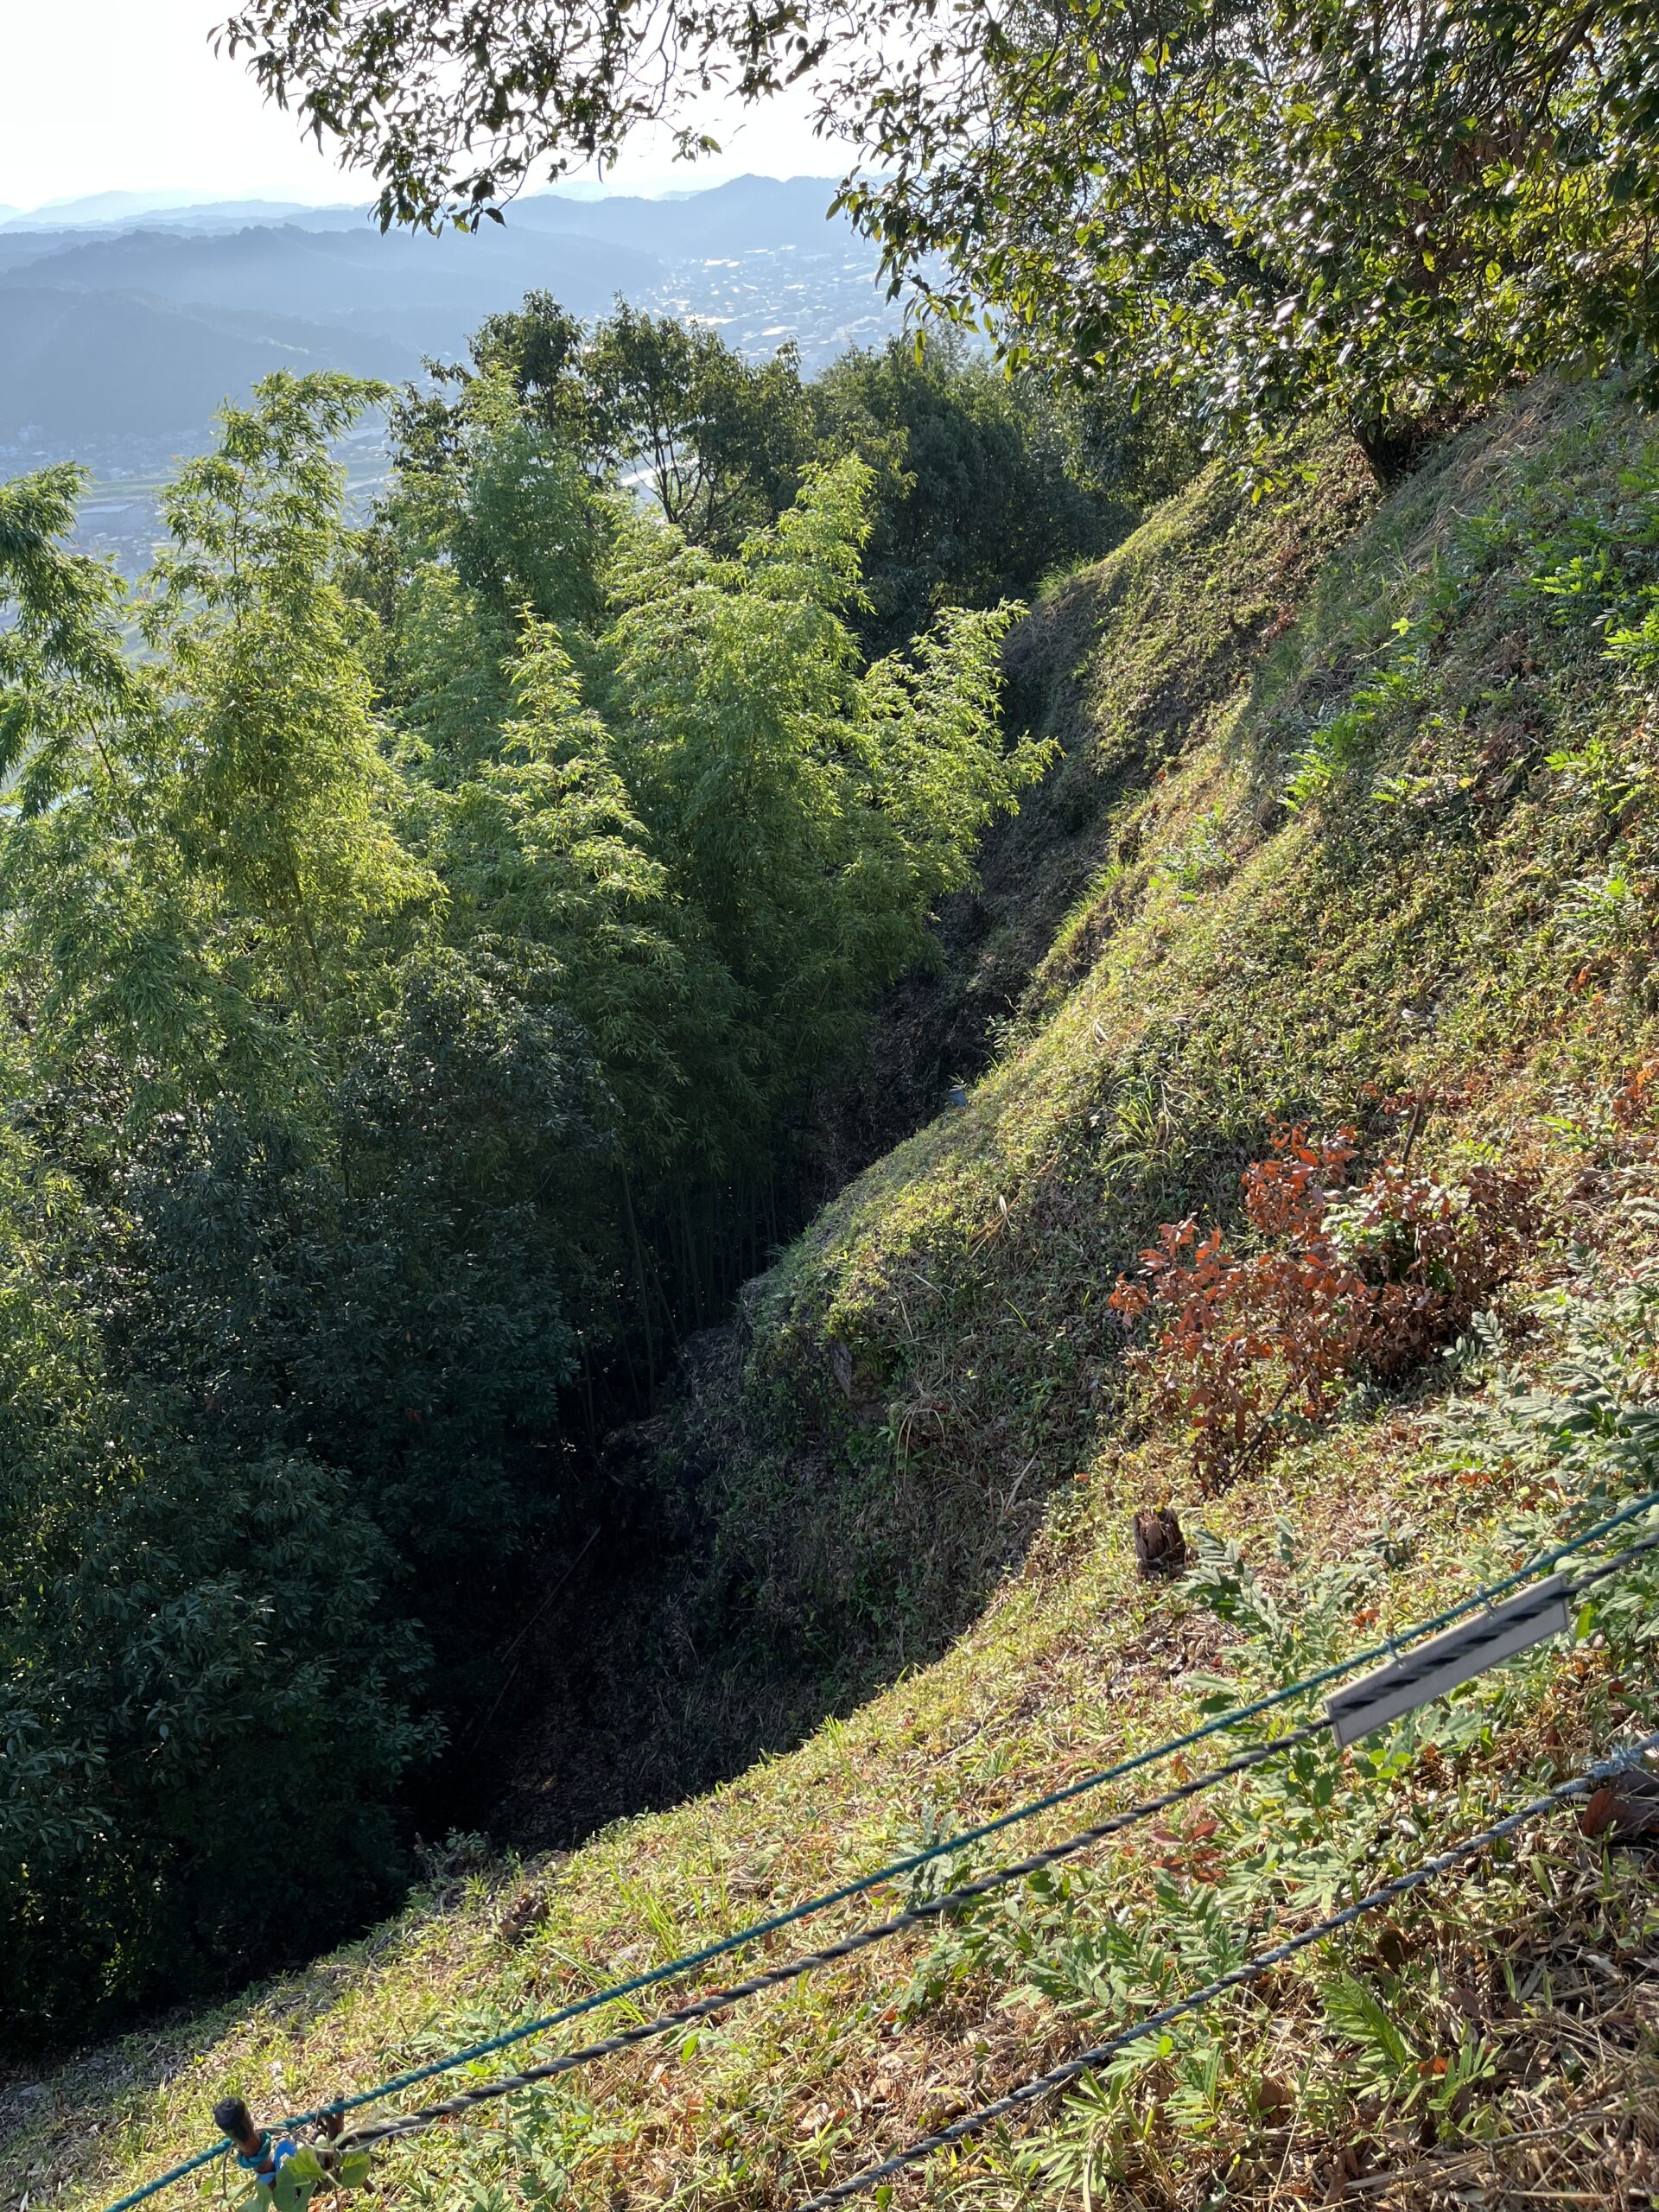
121 330
101 208
399 296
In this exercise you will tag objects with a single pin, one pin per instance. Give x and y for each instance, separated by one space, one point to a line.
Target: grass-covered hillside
1355 829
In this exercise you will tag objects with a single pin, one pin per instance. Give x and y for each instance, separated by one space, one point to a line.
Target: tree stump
1160 1547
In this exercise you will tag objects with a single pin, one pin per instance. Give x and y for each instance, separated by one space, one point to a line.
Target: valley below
1316 885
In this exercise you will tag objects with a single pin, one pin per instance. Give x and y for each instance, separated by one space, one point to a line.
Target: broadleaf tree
1270 205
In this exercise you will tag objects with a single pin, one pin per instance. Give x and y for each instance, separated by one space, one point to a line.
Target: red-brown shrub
1347 1281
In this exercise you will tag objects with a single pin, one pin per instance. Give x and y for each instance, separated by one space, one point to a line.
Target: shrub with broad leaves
1347 1281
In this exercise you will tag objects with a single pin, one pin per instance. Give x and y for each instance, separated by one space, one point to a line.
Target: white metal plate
1457 1654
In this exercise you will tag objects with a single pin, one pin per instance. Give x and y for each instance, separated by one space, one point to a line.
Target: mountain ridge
400 296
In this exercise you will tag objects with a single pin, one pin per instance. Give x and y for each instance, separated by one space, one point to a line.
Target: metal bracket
1458 1654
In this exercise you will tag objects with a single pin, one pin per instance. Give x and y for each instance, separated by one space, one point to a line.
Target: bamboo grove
418 942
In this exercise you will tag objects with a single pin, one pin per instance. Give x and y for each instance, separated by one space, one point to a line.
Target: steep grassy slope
798 1577
1421 913
1125 666
1351 806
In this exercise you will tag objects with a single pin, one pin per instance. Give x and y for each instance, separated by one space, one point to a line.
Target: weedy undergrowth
1388 2035
1420 2029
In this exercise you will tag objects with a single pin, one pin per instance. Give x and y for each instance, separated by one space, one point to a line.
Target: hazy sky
127 95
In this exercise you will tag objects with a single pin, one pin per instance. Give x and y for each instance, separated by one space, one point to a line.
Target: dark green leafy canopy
718 443
1269 206
1266 203
410 971
291 1223
982 482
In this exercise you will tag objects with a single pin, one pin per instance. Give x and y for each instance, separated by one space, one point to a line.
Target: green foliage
303 2177
812 814
1277 205
540 847
724 831
210 1695
1289 204
719 443
390 1294
934 1354
1200 859
661 756
1335 747
984 483
224 848
62 670
1591 1420
390 955
292 1225
1303 1834
981 483
1414 945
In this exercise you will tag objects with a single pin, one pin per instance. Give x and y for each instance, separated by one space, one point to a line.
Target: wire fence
915 1915
1240 1977
899 1869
